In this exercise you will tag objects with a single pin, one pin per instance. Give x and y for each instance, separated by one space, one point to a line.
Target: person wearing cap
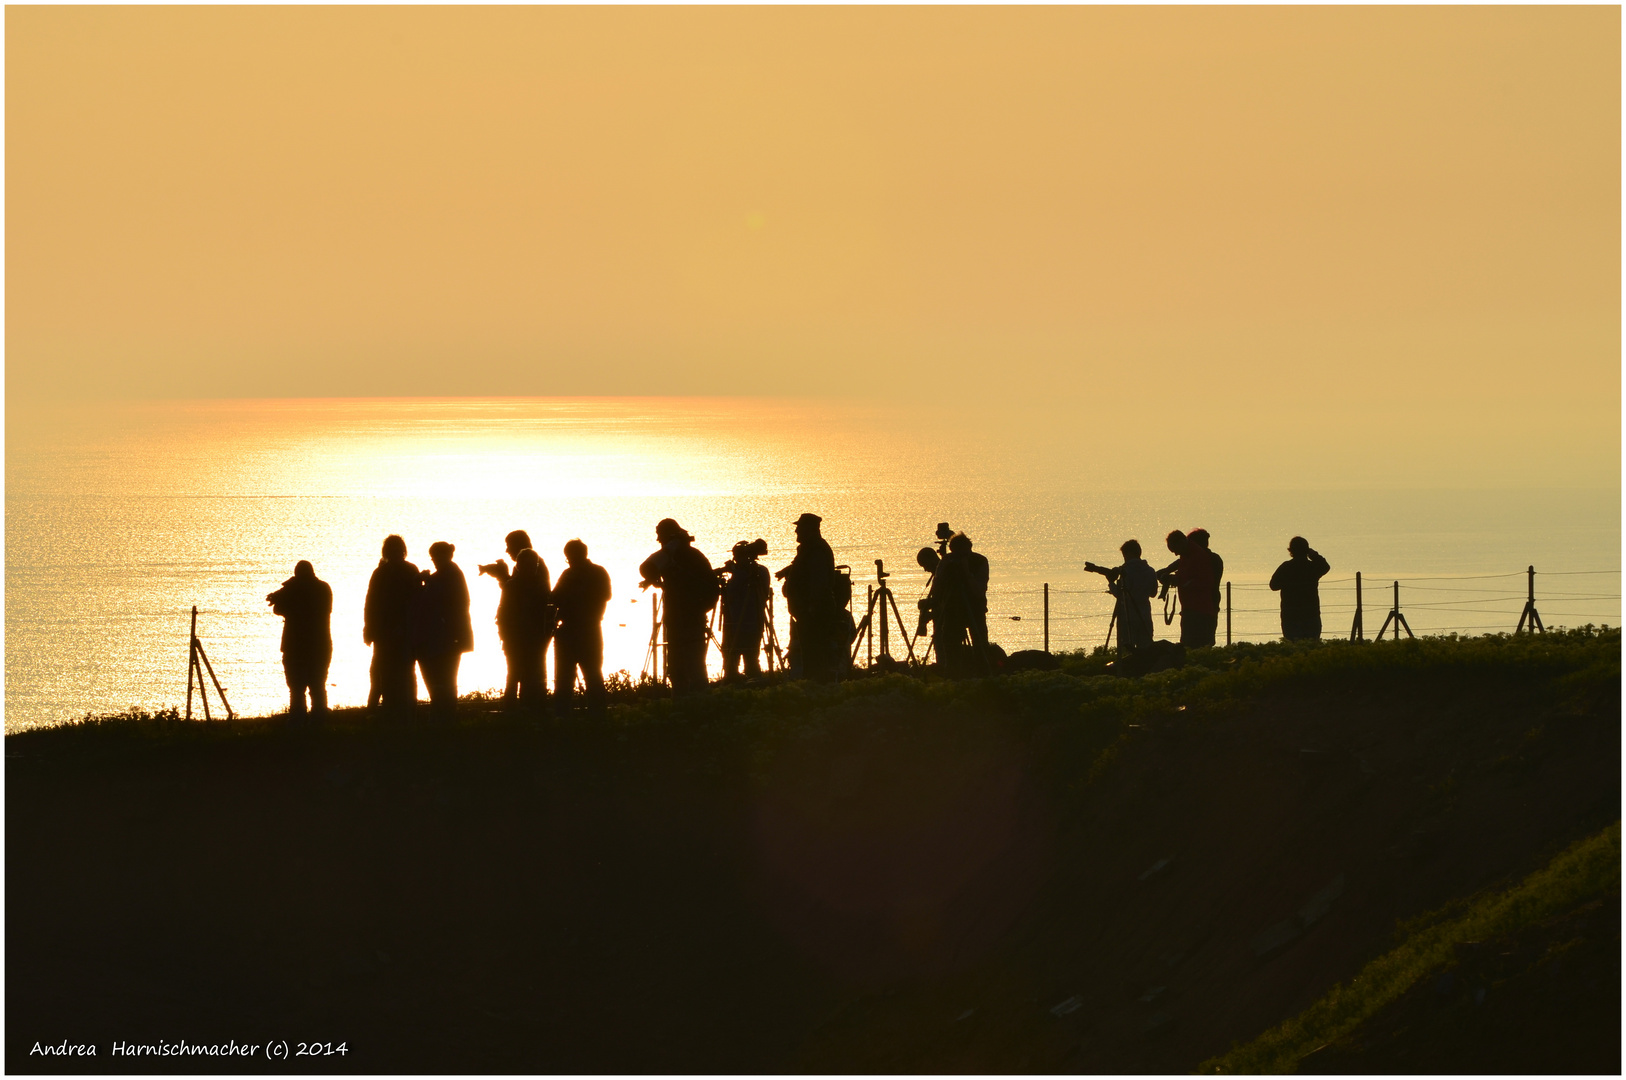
1299 581
442 631
386 625
305 603
745 602
688 592
810 582
579 599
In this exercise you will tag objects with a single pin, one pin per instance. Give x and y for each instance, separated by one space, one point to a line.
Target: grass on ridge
1590 868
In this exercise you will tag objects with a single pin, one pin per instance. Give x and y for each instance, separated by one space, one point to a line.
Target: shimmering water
119 518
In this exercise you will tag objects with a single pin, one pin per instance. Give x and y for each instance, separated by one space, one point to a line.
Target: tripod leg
903 629
858 637
866 627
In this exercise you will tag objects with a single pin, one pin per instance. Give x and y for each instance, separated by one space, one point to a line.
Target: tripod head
880 574
944 535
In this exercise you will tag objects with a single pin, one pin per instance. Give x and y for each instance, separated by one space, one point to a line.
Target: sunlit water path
119 518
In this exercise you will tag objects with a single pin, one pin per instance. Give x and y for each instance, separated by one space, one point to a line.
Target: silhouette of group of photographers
418 620
1194 579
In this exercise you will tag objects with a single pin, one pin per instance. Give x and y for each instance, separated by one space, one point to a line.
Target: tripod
654 654
770 638
880 598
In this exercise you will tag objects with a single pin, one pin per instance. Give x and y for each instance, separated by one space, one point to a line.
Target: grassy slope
887 874
1588 870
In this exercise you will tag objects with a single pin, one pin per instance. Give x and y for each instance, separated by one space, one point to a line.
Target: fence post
1357 630
1395 617
1227 614
1047 616
191 659
1529 613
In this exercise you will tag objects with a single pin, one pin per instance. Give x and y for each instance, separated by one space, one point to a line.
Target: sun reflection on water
120 517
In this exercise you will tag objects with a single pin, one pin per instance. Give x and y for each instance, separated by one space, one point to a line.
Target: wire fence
1070 616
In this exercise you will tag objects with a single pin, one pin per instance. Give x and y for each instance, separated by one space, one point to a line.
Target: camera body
1109 572
498 569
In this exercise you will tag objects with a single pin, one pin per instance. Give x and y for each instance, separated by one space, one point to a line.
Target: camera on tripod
745 553
498 569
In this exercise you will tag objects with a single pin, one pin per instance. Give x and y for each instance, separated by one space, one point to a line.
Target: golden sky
1270 226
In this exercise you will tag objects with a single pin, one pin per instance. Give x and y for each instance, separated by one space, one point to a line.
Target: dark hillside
1045 872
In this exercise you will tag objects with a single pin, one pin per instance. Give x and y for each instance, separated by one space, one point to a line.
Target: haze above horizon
1354 244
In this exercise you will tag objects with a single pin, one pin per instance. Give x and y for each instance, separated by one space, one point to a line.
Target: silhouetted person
745 609
1134 583
948 605
810 597
1193 575
387 626
976 573
1200 538
579 599
1299 581
305 603
688 592
443 630
524 622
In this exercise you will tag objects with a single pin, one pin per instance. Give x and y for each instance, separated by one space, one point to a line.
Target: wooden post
1357 631
191 659
1047 616
1395 617
221 690
1529 616
1227 615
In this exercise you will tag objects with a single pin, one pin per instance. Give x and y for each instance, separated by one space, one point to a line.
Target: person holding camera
688 593
524 622
976 581
443 631
1299 581
1192 574
947 606
305 603
745 609
1134 583
392 594
579 600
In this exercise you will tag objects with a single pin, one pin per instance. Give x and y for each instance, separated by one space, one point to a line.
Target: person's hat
667 527
809 519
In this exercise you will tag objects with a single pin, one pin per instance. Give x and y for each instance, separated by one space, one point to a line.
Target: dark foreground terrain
1055 871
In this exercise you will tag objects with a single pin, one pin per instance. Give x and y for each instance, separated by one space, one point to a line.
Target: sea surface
121 517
